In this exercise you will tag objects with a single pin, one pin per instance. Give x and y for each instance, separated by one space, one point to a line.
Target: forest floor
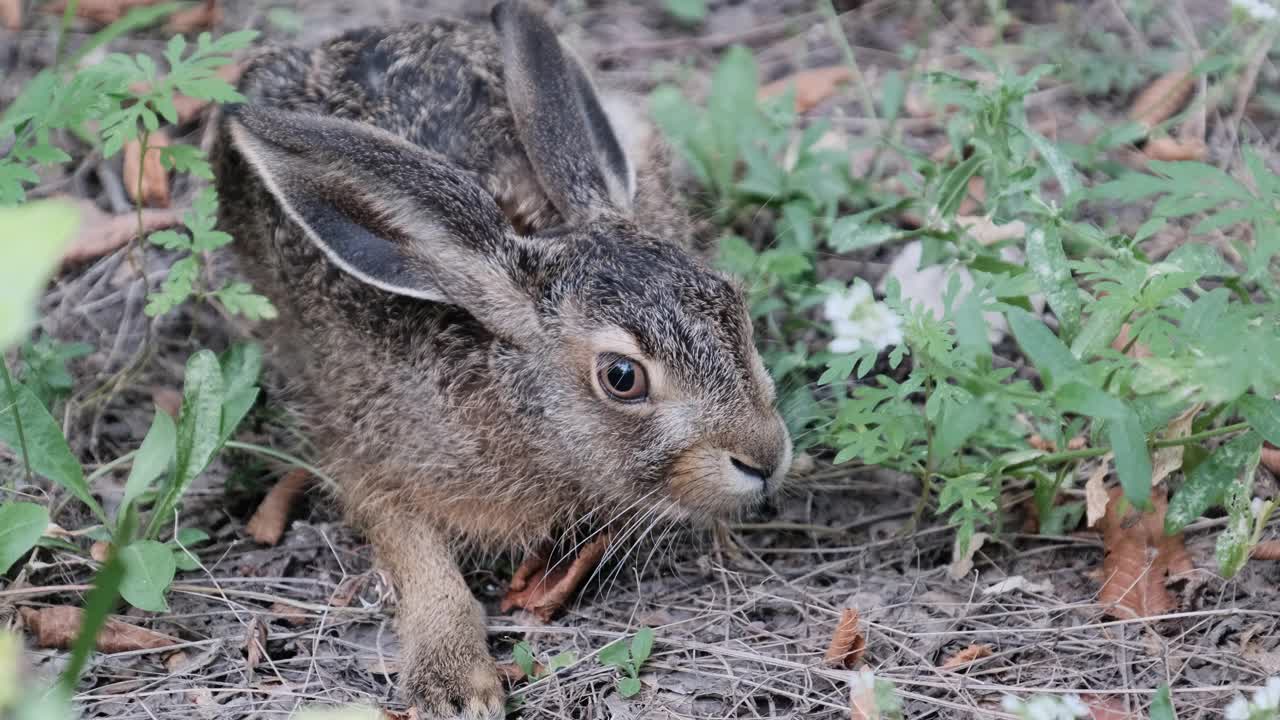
741 618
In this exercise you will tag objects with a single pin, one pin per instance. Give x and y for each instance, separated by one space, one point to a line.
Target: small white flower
1259 10
857 320
1075 706
1237 709
1256 506
1268 698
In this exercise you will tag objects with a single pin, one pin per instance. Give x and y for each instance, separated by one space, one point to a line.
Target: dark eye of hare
623 378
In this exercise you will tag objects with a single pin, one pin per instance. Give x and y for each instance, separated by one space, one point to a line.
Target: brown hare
491 314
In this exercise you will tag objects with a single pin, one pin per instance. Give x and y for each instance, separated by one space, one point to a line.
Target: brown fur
455 399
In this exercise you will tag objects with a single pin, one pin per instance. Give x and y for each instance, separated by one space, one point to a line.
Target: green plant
525 659
956 412
628 658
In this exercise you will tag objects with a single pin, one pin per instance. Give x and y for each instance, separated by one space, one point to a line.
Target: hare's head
635 358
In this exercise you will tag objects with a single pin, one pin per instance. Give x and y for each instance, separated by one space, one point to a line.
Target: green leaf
616 654
1201 259
854 233
1207 483
562 660
1232 547
148 571
523 657
1133 460
956 184
689 12
1049 264
641 645
1162 706
35 236
1099 330
958 422
199 432
50 455
629 687
239 299
1263 415
21 525
1058 162
1054 361
97 606
159 448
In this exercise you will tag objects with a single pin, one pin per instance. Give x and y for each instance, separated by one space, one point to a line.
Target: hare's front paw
455 688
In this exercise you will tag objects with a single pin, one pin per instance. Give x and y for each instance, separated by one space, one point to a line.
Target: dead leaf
1168 459
862 702
1162 98
99 550
812 86
1078 442
167 399
289 614
204 16
103 12
1095 491
966 656
1271 458
544 590
1139 558
1018 582
11 14
848 644
1135 350
962 564
255 641
268 522
1107 708
57 627
101 232
511 673
1266 550
1039 443
154 187
1174 150
986 231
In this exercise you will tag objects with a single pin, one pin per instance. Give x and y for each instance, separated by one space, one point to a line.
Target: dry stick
1250 80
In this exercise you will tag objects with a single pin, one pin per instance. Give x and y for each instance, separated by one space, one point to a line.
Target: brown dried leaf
986 231
862 702
1107 708
99 550
848 644
1171 150
812 86
103 12
1162 98
1266 550
57 627
11 14
1136 351
1095 491
1041 444
168 400
962 564
101 232
1139 558
204 16
546 594
155 179
289 614
1271 458
967 655
1168 459
268 522
255 641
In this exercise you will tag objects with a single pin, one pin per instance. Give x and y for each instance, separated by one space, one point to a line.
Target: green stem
283 457
17 419
1054 458
108 467
68 14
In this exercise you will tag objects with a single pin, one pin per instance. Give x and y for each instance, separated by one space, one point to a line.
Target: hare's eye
623 379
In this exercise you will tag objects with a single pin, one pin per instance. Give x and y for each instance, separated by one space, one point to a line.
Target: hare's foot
450 686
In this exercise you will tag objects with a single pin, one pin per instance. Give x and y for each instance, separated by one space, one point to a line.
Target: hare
492 317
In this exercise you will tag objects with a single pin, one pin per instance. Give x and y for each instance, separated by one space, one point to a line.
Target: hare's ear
392 214
565 131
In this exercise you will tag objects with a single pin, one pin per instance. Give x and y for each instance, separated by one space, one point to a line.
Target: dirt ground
742 617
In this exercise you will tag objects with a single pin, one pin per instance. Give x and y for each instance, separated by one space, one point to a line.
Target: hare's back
438 85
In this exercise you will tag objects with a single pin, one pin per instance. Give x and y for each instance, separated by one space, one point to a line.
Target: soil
742 616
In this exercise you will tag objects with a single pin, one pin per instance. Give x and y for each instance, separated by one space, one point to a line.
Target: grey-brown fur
443 317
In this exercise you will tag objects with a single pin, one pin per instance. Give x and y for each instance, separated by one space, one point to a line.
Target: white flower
857 320
1259 10
1256 507
1076 706
1237 709
1268 698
